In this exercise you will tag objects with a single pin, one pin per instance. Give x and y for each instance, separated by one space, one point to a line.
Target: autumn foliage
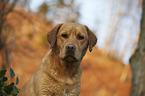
27 45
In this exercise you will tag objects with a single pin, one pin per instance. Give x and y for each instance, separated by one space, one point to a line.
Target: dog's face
71 41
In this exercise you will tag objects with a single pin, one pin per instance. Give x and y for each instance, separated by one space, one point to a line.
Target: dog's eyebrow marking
80 31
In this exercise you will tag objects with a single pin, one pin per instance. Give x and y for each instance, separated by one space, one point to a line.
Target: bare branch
10 9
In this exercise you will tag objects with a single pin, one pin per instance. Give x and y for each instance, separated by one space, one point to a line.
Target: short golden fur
59 73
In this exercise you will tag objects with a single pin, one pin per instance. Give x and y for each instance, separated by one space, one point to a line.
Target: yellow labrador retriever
59 73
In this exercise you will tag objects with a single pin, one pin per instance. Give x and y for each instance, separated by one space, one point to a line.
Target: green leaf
12 83
4 79
15 88
12 74
1 84
2 73
14 92
8 89
5 84
17 81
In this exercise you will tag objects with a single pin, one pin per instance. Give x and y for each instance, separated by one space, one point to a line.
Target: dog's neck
71 68
65 67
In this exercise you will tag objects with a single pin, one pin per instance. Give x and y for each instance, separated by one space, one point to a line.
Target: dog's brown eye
64 35
80 37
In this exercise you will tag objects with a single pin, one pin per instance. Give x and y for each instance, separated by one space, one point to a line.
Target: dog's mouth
70 58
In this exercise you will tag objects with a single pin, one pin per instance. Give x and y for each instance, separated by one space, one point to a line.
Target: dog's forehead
73 27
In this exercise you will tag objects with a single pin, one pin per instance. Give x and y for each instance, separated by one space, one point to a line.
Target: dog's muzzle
70 50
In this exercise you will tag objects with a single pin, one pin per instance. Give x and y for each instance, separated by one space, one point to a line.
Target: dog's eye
64 35
80 37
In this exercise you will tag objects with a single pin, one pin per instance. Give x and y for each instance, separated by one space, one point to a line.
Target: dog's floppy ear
52 35
92 38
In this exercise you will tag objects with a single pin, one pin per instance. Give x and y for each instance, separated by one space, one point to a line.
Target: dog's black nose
70 47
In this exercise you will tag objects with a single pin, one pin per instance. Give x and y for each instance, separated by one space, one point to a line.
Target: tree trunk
5 8
137 62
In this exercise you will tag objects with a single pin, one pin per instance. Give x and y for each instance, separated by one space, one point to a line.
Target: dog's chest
65 94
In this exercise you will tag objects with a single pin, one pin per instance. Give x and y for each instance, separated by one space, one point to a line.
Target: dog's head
70 41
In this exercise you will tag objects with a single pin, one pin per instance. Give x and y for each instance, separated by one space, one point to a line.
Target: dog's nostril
70 47
67 47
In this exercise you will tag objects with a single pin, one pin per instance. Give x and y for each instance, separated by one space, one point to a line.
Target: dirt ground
102 75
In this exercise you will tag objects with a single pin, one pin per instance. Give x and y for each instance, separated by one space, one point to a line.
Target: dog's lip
72 57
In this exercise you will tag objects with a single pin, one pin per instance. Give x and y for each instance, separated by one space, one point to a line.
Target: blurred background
106 70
